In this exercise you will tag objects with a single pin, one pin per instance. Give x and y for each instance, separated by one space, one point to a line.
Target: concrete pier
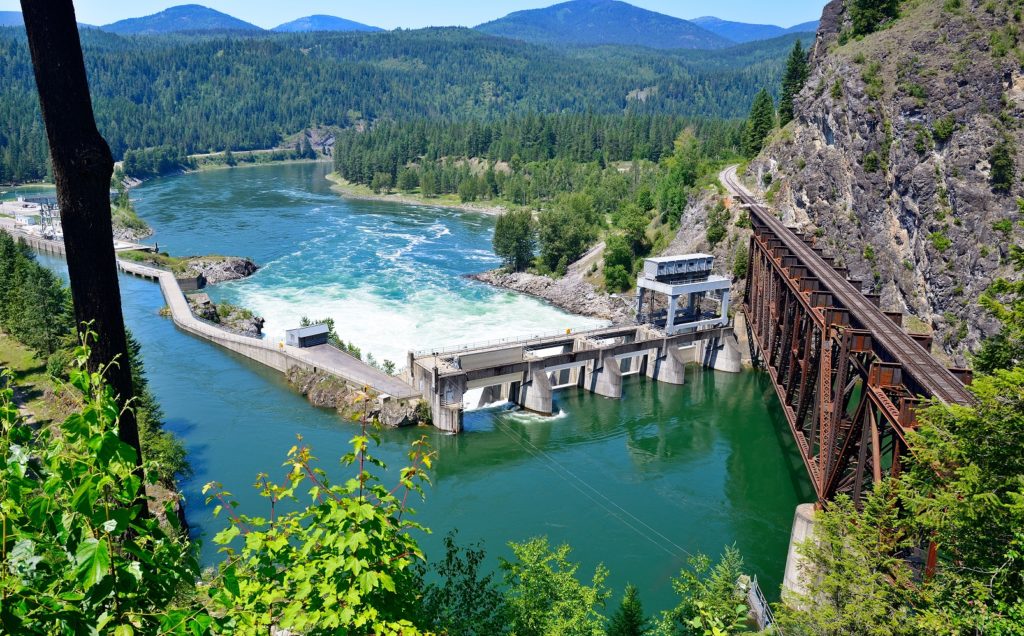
535 394
669 365
803 528
722 353
605 378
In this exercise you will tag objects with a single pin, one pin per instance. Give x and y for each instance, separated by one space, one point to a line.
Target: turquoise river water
636 484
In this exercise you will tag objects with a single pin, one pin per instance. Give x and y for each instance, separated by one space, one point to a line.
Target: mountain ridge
176 19
320 22
743 32
596 22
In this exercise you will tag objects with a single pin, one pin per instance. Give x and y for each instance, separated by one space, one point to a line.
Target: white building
24 212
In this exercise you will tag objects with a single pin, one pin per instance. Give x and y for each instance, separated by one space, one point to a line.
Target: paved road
926 371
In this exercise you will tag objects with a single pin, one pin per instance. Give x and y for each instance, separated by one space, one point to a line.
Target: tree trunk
82 167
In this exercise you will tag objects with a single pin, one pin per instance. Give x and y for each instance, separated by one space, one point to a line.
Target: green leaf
92 561
227 535
231 581
84 497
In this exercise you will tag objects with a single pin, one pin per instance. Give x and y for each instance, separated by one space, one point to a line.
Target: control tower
682 294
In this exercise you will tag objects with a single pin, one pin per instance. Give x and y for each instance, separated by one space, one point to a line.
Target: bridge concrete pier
604 377
535 393
793 584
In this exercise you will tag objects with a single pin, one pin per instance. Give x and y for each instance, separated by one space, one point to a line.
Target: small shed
304 337
192 283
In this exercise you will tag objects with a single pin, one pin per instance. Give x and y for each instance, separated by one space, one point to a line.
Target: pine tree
867 15
759 124
1001 160
628 619
792 81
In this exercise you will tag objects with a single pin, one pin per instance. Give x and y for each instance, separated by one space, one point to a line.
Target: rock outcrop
571 293
219 269
237 319
889 160
328 392
130 234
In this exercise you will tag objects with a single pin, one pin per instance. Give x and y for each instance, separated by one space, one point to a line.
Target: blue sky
419 13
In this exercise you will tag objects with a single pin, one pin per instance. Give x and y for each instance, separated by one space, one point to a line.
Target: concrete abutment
793 586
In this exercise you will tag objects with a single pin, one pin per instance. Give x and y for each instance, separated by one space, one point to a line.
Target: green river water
637 483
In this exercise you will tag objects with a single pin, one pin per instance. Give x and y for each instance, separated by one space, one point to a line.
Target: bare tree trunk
82 167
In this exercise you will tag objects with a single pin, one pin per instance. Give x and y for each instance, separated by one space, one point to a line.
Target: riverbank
571 293
351 190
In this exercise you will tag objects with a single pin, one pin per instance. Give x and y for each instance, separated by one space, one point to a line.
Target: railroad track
925 371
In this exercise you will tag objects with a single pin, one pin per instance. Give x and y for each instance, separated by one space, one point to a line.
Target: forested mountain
323 23
588 22
212 92
577 138
743 32
186 17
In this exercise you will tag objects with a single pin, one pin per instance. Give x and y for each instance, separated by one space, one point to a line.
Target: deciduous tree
545 597
515 239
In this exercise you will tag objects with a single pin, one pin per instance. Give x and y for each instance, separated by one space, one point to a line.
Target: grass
346 187
178 265
175 264
915 325
126 217
34 387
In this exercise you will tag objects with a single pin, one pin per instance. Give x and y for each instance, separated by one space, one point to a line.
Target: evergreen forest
209 93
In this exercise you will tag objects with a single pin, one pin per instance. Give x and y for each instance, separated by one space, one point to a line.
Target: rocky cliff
904 154
328 392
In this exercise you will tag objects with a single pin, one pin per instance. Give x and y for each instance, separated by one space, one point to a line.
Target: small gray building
305 337
192 283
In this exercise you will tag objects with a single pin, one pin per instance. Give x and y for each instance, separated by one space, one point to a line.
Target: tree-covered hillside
214 92
186 17
588 22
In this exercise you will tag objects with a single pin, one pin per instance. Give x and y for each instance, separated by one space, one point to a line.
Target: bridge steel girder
846 408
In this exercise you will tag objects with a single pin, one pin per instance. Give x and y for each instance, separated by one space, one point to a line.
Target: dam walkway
277 355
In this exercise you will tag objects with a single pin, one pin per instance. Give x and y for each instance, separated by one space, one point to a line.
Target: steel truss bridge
847 375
